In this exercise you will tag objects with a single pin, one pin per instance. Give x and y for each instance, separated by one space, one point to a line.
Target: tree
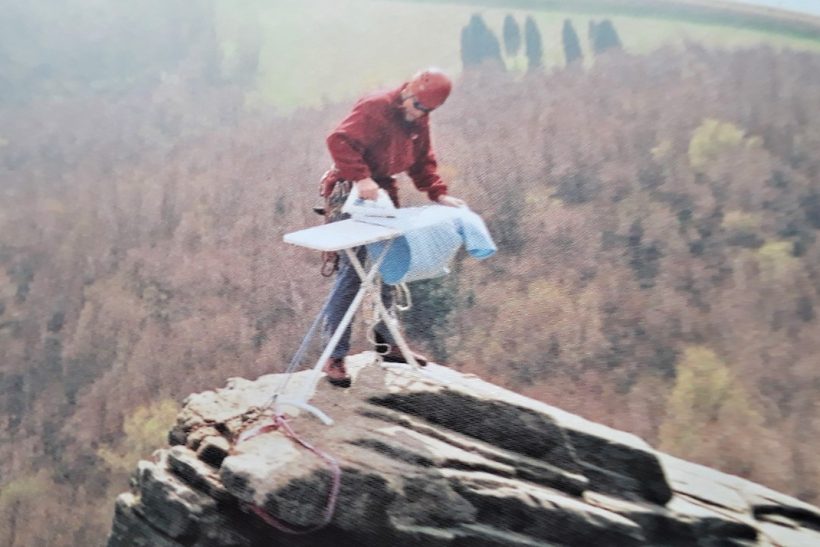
512 36
479 45
532 44
603 36
143 430
429 318
572 46
711 418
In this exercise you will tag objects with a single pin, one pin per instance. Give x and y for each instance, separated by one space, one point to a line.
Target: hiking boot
337 372
394 355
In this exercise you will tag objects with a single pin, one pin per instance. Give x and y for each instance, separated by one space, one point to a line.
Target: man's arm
424 171
425 175
451 201
347 145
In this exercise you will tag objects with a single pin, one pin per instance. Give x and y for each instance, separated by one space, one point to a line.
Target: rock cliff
431 458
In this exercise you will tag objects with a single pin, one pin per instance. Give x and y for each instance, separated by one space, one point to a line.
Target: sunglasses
418 106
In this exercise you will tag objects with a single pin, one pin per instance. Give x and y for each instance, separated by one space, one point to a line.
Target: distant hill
810 7
722 12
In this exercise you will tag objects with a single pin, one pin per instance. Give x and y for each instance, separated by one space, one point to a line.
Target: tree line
480 46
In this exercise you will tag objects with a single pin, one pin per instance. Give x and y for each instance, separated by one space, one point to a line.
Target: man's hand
368 189
451 201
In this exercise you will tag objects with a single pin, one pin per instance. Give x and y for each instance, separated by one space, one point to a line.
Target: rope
280 423
300 353
402 302
330 263
403 293
375 319
248 430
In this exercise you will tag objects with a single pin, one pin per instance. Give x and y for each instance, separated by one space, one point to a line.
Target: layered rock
432 458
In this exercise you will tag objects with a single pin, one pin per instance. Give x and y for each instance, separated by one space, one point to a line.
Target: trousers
345 287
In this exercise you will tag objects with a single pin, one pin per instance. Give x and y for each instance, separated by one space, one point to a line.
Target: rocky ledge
431 458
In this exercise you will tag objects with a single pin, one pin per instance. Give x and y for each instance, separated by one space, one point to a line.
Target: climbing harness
335 192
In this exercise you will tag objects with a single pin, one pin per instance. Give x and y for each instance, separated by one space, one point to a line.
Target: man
386 133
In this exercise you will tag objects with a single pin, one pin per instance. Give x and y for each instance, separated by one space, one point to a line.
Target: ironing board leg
391 323
367 285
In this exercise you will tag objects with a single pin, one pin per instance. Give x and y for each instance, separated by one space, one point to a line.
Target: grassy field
328 50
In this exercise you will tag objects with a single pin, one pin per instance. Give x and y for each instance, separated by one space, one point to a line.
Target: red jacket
375 141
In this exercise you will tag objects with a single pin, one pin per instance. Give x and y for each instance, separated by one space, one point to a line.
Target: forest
658 269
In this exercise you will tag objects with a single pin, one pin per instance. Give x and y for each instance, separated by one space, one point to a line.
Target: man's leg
345 287
385 343
381 332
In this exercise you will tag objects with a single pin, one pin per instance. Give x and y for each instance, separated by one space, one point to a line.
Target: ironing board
347 235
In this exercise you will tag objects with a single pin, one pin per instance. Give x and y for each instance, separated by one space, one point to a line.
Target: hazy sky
806 6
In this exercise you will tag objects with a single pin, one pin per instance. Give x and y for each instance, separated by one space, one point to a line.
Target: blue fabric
432 237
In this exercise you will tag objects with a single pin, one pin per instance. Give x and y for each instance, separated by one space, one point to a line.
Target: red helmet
430 87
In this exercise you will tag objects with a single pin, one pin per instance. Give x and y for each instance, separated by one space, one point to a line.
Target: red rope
279 422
